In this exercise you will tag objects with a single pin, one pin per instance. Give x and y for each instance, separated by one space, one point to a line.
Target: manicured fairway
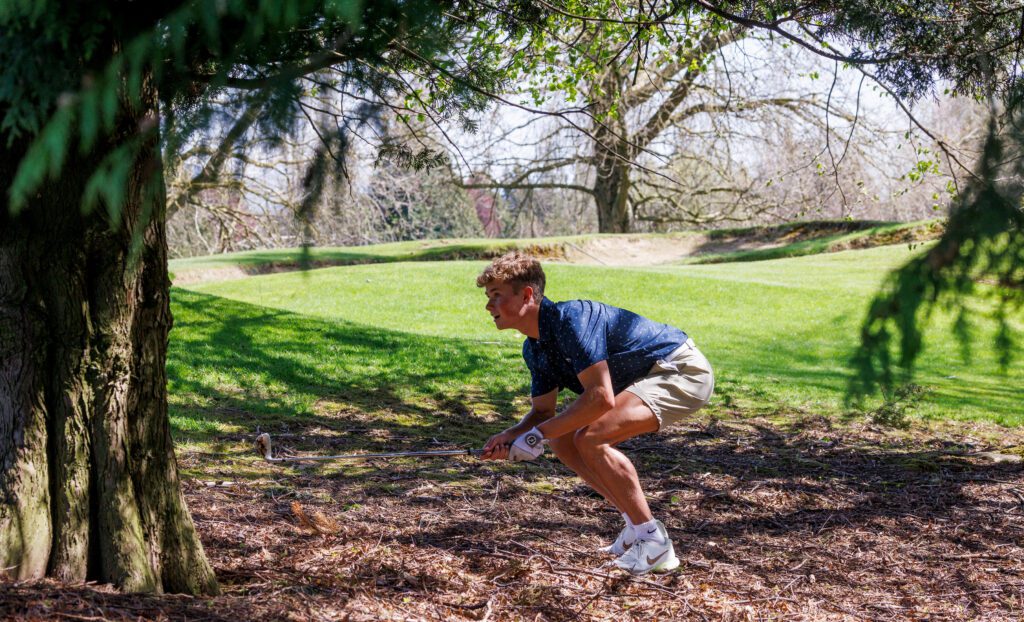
779 332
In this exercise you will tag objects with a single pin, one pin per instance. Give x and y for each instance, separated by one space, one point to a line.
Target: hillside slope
717 246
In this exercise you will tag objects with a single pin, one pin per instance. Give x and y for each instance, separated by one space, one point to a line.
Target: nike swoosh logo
652 530
654 560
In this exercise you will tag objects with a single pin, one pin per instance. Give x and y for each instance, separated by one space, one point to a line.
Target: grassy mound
810 238
724 245
233 265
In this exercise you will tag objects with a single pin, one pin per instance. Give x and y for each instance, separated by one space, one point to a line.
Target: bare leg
613 471
565 449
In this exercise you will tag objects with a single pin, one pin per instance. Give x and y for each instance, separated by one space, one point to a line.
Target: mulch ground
809 522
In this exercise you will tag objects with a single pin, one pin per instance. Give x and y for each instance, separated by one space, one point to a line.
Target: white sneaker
650 555
625 540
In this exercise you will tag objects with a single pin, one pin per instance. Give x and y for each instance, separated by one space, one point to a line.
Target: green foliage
209 59
584 40
905 45
980 257
908 45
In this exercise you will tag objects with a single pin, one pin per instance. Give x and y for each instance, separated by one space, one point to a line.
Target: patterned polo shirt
579 333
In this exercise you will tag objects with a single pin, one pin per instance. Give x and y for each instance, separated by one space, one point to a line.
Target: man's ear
527 293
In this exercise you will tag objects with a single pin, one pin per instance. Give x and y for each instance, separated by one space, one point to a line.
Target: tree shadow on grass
317 385
796 364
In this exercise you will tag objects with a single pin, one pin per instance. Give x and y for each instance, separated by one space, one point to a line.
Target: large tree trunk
611 194
89 485
612 160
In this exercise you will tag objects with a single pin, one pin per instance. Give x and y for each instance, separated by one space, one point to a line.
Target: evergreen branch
913 119
983 241
318 62
776 27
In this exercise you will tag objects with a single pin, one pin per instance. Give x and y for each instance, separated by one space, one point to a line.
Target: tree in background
88 480
666 115
749 141
977 49
260 201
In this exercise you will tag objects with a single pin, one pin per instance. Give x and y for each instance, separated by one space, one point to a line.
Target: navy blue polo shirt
579 333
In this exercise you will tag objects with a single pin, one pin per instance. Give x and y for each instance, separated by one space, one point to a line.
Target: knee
587 442
565 451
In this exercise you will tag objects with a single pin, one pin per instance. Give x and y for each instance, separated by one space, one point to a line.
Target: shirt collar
545 320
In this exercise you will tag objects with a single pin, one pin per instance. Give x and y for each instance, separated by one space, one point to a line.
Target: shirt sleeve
582 334
542 378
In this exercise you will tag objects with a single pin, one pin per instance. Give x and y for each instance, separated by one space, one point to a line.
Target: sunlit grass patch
543 487
411 343
198 424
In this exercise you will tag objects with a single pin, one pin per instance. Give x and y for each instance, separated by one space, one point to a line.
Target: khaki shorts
676 386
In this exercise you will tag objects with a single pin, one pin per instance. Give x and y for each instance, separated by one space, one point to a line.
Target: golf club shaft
397 454
264 444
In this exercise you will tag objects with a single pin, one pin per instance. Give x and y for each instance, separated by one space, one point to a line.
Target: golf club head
263 445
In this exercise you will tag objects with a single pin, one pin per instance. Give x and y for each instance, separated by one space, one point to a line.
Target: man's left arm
598 397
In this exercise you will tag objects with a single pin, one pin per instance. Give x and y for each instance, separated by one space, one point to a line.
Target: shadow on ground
806 521
328 385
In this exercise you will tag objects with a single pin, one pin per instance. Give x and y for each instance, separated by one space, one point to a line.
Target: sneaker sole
666 566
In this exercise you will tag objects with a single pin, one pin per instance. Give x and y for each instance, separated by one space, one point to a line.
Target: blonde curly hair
517 269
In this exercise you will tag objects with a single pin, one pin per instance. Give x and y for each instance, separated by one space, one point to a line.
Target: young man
633 376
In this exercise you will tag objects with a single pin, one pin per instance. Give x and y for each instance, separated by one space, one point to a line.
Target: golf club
263 444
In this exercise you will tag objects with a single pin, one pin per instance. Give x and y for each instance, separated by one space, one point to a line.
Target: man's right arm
542 409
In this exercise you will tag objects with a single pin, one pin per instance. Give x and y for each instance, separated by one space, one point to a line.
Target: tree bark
612 161
611 193
88 478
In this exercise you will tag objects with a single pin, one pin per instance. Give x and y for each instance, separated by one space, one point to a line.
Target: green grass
403 352
233 366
